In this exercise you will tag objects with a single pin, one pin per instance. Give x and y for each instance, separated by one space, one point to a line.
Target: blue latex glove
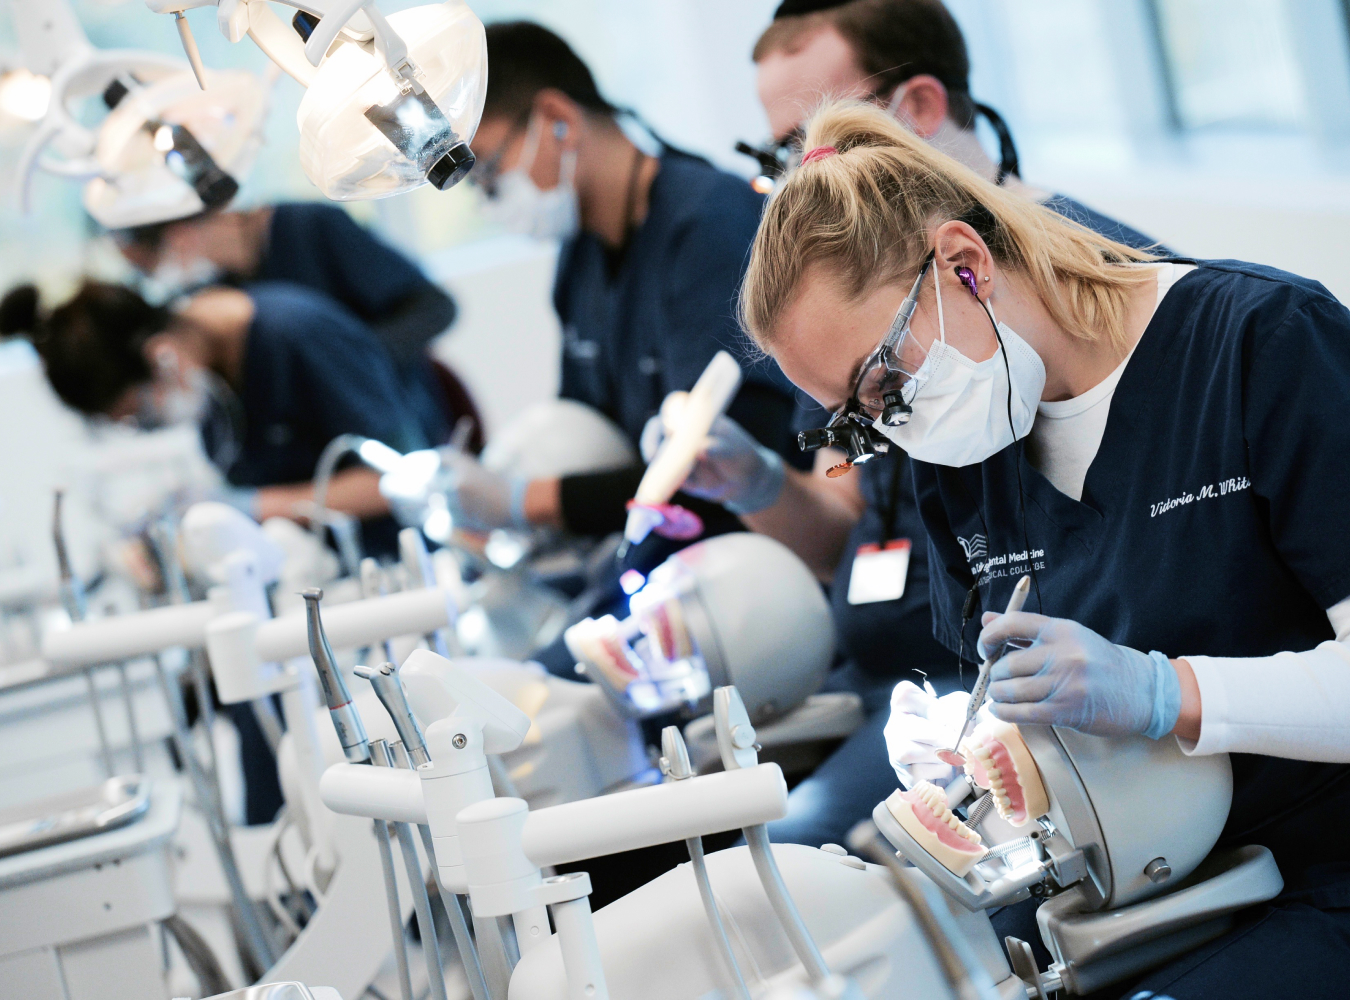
478 500
1070 676
733 468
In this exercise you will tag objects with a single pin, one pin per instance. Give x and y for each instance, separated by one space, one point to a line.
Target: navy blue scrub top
1213 521
322 247
648 325
313 371
890 638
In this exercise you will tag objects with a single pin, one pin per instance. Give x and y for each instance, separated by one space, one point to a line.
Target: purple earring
967 277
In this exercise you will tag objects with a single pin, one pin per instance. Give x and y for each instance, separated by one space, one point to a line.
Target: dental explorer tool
351 732
978 693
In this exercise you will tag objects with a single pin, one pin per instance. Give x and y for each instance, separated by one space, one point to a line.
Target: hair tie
818 153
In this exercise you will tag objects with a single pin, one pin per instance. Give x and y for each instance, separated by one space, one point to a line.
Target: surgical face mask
173 278
523 207
961 407
179 395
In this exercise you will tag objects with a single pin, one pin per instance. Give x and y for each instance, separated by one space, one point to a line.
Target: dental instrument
981 689
357 749
688 418
381 757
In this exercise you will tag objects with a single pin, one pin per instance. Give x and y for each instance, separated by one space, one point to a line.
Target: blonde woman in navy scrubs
1162 443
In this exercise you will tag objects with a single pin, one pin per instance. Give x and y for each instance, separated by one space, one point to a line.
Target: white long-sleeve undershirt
1294 705
1287 705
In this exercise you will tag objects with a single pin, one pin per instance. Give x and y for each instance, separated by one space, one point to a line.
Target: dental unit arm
688 418
1117 832
494 849
391 102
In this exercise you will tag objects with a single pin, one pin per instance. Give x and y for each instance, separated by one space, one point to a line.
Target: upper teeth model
925 815
664 623
599 643
998 759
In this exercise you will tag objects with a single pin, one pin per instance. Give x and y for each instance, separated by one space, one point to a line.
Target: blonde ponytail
866 214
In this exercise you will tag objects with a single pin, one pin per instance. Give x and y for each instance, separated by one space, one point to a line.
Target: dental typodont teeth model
599 644
924 814
998 759
664 623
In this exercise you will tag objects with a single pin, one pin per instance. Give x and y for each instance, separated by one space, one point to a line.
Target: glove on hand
1070 676
920 725
480 500
733 469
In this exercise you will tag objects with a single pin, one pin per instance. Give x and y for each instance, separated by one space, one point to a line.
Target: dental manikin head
907 56
828 309
737 609
111 355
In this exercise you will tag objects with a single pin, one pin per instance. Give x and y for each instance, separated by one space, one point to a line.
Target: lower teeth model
998 759
597 643
925 816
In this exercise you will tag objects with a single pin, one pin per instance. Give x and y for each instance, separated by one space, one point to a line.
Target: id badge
879 572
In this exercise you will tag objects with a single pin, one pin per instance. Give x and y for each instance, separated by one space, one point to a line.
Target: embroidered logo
976 547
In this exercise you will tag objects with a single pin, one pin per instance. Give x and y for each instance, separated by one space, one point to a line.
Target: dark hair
894 41
93 346
525 58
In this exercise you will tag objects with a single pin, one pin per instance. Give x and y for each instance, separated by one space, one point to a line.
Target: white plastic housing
345 155
558 437
756 615
136 186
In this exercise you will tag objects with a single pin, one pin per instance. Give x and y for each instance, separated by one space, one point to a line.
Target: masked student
862 531
272 374
320 247
1159 444
653 249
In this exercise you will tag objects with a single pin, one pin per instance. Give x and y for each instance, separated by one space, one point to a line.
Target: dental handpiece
981 688
384 679
346 720
72 593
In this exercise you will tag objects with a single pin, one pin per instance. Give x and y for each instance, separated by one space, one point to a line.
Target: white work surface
75 918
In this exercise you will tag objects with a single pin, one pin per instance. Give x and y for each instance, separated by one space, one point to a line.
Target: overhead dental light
166 148
24 94
390 103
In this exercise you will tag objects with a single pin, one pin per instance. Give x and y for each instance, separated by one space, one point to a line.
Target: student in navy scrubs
281 369
653 249
909 57
1160 445
321 247
274 373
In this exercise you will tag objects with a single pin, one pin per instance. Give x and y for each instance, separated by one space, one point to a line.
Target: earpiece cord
1018 449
